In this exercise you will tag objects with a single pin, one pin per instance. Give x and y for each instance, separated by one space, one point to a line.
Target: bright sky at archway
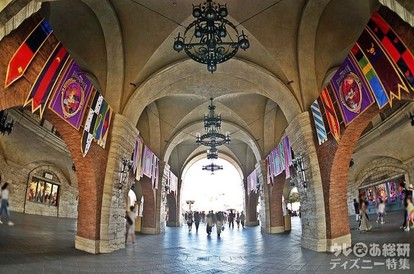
220 191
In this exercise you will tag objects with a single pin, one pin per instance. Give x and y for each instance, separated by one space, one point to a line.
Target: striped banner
398 51
319 124
90 123
155 175
287 155
140 151
26 52
368 71
330 114
269 176
46 80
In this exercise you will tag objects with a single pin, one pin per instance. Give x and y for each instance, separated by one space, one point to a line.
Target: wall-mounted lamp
412 120
300 171
126 167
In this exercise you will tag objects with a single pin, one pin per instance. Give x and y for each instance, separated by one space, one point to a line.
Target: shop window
393 191
381 193
43 192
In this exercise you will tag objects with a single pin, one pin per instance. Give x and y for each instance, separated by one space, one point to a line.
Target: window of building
43 192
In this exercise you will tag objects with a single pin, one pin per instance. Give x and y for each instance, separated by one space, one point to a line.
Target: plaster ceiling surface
126 46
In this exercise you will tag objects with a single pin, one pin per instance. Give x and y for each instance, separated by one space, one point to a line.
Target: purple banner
71 96
351 91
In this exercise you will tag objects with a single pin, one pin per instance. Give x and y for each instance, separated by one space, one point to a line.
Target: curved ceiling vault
128 48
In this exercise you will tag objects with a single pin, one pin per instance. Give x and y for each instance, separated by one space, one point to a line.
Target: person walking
5 191
219 223
238 220
381 212
231 219
242 219
356 207
365 225
190 221
197 219
130 224
210 222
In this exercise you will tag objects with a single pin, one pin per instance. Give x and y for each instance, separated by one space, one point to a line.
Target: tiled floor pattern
38 244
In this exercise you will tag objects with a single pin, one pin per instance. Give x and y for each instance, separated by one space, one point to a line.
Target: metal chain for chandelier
211 39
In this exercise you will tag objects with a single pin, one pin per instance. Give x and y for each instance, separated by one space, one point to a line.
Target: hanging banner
330 114
147 162
319 124
71 96
401 56
351 91
382 74
287 155
46 80
26 52
154 178
140 151
90 123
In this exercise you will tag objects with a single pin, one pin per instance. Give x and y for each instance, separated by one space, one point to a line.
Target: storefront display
43 192
386 191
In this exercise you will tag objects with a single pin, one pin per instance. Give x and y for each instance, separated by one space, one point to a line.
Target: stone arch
200 156
165 81
89 168
376 169
334 172
67 195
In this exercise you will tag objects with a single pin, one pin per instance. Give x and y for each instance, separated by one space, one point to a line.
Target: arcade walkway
39 244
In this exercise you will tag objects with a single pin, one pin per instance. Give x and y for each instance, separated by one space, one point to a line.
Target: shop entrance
387 191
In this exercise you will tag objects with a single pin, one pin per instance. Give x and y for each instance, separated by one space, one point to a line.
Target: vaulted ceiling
126 49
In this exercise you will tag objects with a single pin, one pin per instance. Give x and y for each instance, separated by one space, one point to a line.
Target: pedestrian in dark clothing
197 219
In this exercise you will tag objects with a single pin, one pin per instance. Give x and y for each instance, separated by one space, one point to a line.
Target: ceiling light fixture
211 39
212 125
212 167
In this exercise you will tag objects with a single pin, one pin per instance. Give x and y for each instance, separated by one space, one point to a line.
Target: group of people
5 192
212 219
361 210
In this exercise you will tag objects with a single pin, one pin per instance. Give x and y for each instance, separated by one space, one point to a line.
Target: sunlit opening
219 191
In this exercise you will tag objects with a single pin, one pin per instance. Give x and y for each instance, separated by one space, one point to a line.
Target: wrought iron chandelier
211 39
212 167
212 125
212 153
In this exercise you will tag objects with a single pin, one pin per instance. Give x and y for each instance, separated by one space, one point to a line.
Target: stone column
122 143
301 139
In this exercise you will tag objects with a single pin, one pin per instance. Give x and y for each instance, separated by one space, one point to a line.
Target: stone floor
39 244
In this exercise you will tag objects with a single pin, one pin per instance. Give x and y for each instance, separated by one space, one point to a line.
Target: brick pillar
312 199
173 221
151 220
277 224
114 200
251 209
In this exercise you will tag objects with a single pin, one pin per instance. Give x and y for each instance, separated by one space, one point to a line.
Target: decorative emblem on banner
352 93
319 124
330 114
371 75
26 52
70 98
43 86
